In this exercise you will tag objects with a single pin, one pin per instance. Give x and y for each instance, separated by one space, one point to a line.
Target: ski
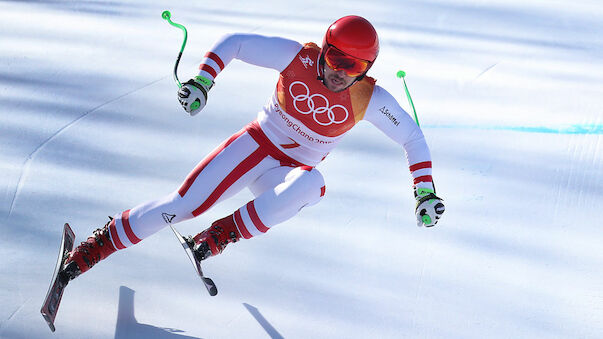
58 283
209 284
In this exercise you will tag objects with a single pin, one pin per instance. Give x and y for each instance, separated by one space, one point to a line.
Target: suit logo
306 61
316 104
168 217
389 115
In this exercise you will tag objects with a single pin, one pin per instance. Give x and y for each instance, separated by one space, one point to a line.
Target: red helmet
354 36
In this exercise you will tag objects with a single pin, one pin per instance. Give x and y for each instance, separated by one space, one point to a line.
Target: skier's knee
309 183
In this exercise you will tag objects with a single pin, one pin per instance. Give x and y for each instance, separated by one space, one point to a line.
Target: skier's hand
193 94
429 207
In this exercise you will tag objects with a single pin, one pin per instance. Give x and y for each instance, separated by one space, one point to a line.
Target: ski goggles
338 60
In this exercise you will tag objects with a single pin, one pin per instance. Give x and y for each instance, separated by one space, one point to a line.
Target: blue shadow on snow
128 327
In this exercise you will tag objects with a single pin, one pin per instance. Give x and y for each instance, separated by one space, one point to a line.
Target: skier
321 93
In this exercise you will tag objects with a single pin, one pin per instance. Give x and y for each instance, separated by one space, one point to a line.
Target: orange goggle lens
337 60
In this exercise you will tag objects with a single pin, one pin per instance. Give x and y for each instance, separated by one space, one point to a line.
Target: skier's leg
224 172
275 203
302 187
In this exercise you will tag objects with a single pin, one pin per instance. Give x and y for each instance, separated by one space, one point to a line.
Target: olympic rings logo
312 108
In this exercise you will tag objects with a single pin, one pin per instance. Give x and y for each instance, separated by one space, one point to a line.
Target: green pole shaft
402 74
168 17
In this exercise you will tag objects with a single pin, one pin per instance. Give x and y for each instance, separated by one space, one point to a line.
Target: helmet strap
321 69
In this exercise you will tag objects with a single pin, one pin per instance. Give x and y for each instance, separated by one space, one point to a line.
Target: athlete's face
337 81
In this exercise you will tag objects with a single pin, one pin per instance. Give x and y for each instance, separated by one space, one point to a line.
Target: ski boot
214 239
96 248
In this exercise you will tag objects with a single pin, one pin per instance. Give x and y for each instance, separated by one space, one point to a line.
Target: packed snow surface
509 95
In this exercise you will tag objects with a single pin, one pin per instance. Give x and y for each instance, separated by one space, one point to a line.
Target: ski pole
402 74
168 17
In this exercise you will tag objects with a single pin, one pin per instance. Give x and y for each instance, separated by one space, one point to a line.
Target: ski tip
48 321
211 286
69 230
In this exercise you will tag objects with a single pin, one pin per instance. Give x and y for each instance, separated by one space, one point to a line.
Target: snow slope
509 95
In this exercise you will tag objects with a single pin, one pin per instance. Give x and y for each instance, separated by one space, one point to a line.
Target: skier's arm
386 114
259 50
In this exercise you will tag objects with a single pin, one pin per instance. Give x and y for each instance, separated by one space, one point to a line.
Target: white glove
429 207
193 94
